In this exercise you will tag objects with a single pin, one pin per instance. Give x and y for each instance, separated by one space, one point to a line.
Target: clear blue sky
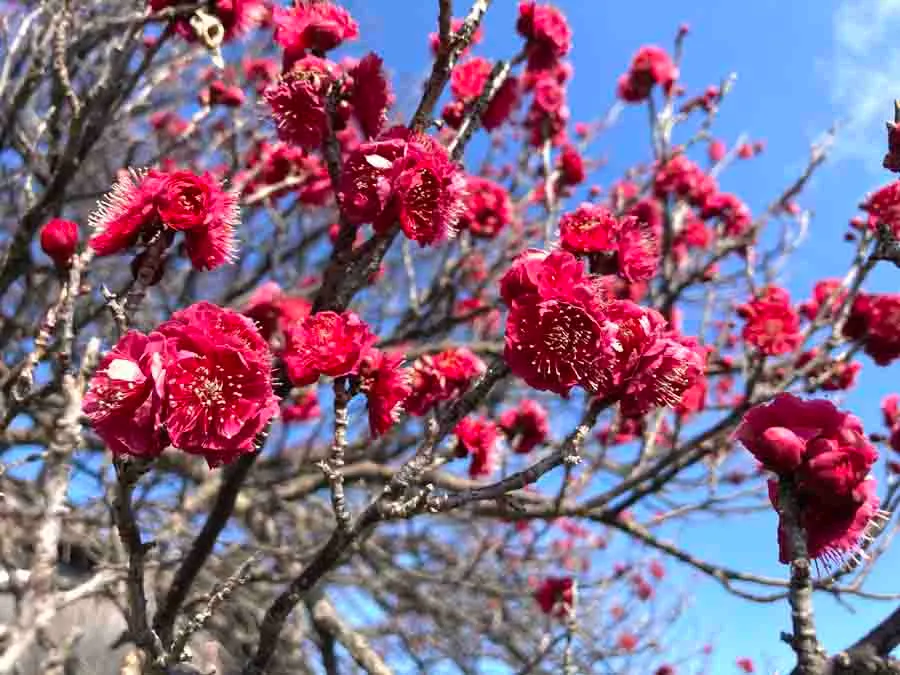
801 66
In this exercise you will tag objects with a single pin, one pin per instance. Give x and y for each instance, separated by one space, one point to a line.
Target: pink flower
219 394
127 213
261 71
537 272
882 342
894 442
273 310
547 32
220 93
528 425
312 25
638 251
549 96
630 248
500 107
555 595
571 166
168 123
642 588
883 206
589 229
487 207
890 409
649 211
838 375
650 66
125 400
826 455
191 202
636 329
273 163
141 205
834 527
822 293
326 343
442 377
716 151
668 368
59 240
304 408
891 160
733 213
556 344
772 325
795 422
548 115
370 95
746 665
386 385
683 178
453 114
406 178
298 101
627 641
468 79
478 437
693 400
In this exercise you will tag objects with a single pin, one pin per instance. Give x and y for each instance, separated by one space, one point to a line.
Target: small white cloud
864 75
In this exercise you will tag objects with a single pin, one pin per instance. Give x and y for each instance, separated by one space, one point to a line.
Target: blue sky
801 66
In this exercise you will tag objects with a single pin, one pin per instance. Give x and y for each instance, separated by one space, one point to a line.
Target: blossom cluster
826 459
649 67
299 98
681 178
467 83
406 178
201 382
151 206
874 320
563 331
623 246
772 325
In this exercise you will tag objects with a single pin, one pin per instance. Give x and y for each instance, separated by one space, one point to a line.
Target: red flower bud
59 239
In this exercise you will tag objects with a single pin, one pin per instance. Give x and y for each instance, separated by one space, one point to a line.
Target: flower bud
59 239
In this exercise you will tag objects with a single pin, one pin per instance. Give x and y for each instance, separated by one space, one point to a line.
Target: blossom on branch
386 385
144 206
125 400
555 595
312 25
299 99
527 424
650 66
326 343
59 240
404 178
487 207
547 32
824 454
219 394
772 325
442 377
370 94
479 438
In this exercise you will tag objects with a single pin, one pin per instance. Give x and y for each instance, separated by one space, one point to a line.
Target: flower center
191 199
